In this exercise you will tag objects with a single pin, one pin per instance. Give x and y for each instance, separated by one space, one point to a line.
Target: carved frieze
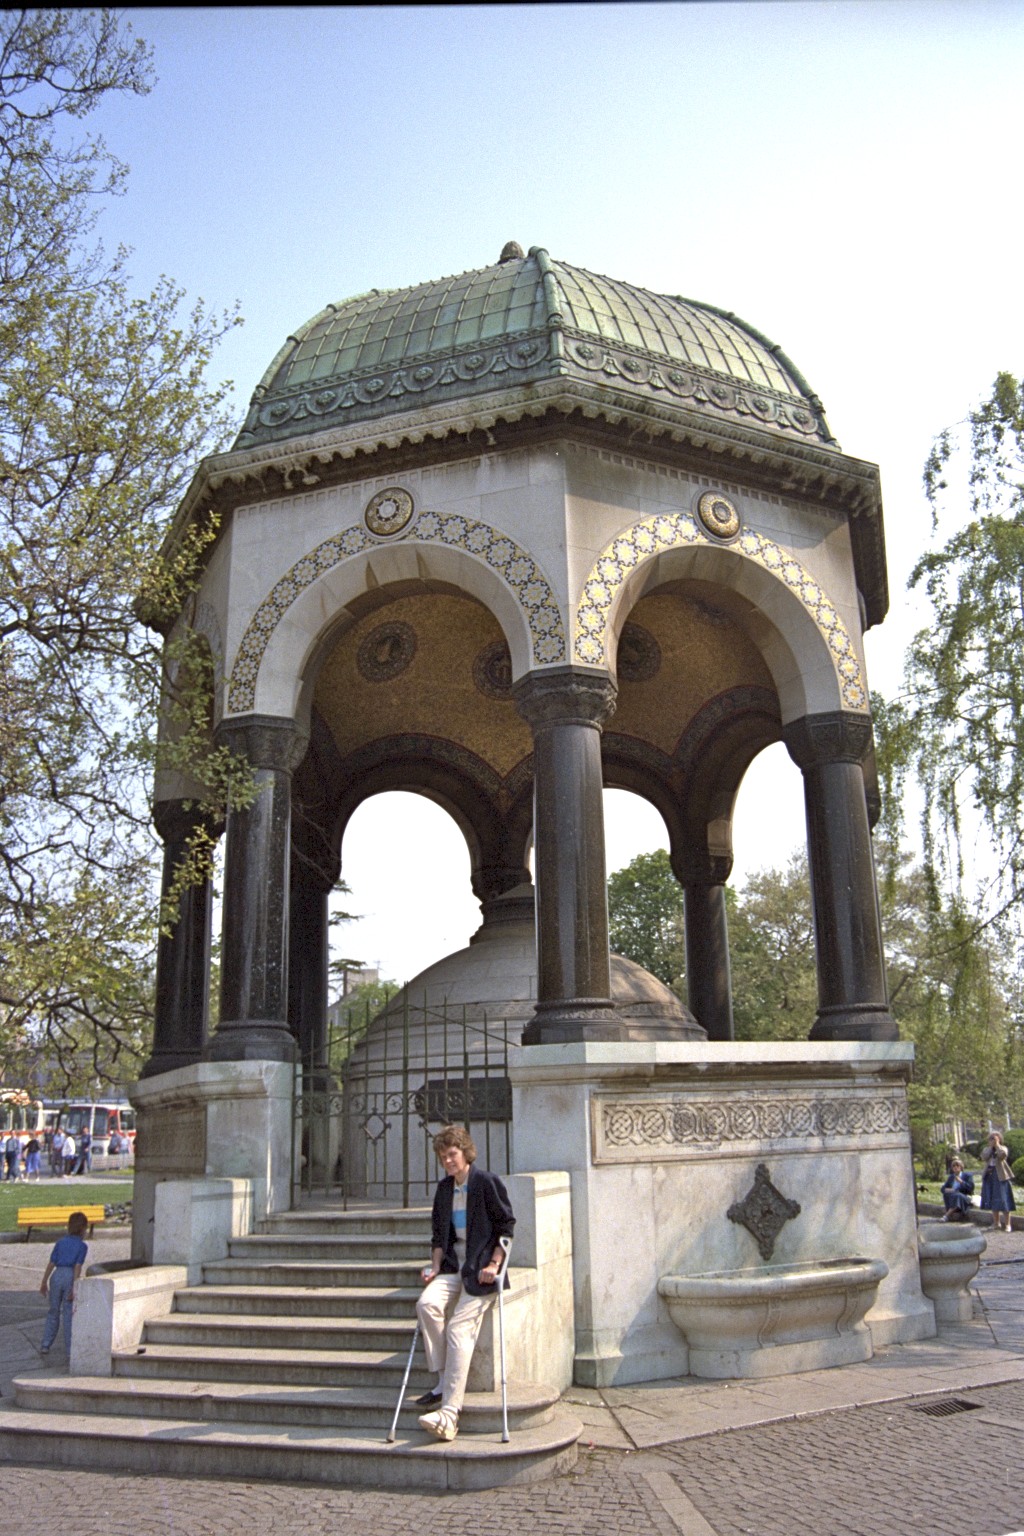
171 1141
672 1127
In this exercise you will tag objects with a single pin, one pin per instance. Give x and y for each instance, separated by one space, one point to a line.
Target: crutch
405 1383
505 1244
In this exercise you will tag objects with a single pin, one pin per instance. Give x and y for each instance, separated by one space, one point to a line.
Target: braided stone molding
518 570
677 1126
676 530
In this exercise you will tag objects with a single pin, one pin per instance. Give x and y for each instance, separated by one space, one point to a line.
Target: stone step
529 1405
308 1271
343 1248
267 1332
308 1453
299 1301
292 1367
384 1222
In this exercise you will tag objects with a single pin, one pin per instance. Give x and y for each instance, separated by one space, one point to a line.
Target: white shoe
443 1423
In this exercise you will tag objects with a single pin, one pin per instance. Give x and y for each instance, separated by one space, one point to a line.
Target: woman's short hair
955 1162
78 1223
455 1136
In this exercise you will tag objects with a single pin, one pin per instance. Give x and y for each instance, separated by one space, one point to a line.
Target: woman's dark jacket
488 1217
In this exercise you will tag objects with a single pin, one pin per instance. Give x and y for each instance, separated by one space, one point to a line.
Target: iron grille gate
364 1119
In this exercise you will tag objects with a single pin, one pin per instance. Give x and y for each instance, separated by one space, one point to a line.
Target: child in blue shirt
65 1266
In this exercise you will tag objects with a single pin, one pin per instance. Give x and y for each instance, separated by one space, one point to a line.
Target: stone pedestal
663 1140
225 1120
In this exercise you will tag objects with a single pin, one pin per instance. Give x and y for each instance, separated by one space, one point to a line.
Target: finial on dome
513 251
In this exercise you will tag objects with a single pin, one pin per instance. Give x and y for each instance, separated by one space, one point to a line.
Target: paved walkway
829 1453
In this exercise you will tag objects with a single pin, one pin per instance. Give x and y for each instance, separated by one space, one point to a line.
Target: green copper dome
526 319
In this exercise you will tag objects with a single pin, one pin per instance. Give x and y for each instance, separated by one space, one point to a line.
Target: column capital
699 867
835 737
175 820
563 696
273 742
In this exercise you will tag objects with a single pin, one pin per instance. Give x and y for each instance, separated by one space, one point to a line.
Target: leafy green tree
104 411
771 950
960 723
645 917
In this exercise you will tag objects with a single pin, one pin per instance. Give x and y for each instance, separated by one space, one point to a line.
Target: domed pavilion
503 539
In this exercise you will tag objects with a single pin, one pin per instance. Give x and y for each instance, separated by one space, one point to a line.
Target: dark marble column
708 977
307 965
566 709
853 999
183 956
254 965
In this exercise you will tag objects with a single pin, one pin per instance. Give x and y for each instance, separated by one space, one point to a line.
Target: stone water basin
775 1319
950 1254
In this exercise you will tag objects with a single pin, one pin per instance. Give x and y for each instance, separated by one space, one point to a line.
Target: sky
843 176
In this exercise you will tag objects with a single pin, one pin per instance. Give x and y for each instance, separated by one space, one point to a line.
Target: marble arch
286 631
803 638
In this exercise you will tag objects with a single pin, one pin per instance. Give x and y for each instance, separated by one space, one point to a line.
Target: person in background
33 1155
957 1192
62 1275
471 1212
997 1183
57 1153
12 1157
84 1164
70 1152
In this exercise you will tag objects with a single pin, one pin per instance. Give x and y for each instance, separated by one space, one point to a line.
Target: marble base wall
221 1120
111 1311
661 1139
539 1334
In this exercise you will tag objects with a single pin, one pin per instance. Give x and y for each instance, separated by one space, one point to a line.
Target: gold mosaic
674 530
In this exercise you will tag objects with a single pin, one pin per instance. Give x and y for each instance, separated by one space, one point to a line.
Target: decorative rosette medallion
718 515
388 512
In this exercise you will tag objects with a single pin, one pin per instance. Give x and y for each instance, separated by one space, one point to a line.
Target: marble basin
949 1255
776 1318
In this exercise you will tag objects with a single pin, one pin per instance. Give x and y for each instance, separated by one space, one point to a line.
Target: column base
867 1023
252 1040
574 1019
169 1061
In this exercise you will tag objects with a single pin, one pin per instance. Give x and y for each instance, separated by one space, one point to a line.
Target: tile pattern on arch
505 557
673 530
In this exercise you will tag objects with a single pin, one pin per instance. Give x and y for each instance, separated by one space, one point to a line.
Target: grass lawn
73 1192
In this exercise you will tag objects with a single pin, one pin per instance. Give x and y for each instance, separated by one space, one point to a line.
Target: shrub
1014 1144
1017 1169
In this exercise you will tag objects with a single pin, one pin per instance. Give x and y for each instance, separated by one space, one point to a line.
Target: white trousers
450 1321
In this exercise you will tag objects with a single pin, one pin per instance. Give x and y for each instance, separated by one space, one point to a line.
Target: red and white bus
102 1119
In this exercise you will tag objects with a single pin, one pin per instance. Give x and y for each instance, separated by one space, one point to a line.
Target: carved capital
565 696
176 820
836 737
268 741
696 866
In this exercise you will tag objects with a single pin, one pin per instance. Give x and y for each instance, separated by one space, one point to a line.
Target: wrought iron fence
366 1116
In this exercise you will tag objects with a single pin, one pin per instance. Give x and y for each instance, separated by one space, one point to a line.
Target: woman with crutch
471 1214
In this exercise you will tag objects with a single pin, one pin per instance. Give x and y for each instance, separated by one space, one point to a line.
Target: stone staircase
285 1363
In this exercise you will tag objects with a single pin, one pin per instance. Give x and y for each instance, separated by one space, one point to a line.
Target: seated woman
957 1192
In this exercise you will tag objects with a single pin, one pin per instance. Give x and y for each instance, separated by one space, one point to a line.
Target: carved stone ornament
718 515
492 671
386 651
639 654
763 1211
388 512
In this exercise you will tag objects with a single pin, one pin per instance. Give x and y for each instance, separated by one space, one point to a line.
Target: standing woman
997 1185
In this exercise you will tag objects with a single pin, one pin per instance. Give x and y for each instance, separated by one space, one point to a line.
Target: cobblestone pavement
879 1471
